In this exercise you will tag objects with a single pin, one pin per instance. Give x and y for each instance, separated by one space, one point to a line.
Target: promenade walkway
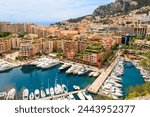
102 77
62 95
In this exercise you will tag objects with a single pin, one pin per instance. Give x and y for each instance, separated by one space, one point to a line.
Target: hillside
119 6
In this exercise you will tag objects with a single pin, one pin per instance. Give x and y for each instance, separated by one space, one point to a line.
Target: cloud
46 10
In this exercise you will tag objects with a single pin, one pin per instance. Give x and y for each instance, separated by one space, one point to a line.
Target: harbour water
131 77
33 78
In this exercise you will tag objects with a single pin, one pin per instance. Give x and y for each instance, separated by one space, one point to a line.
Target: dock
61 95
94 88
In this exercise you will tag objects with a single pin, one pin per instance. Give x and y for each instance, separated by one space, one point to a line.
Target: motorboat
91 74
81 96
49 65
11 94
76 87
96 74
83 71
70 70
31 96
25 94
37 94
87 95
65 66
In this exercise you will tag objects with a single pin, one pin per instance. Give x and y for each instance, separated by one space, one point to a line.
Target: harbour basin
33 78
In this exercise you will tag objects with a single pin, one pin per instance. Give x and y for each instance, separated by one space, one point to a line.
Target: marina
46 77
41 83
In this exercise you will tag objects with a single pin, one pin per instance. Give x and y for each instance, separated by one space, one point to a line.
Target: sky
46 10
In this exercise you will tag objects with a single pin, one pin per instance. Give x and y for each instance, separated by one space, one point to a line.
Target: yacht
96 74
52 91
25 94
76 70
83 71
11 94
37 94
59 88
65 90
49 65
3 94
31 96
70 70
43 94
87 95
91 74
56 90
65 66
81 96
76 87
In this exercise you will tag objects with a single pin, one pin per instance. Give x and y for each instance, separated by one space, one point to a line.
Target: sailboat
52 91
42 91
37 94
47 89
31 96
25 94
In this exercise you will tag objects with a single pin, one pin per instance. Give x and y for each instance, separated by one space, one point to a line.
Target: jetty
61 95
94 88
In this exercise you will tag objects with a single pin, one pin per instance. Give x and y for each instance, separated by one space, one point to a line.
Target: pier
102 77
61 95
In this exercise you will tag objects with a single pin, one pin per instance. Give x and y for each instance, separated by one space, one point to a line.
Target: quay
102 77
61 95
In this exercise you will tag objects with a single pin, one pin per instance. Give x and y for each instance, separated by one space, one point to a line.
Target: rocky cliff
120 6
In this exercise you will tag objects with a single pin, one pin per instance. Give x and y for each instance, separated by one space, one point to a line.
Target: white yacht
70 70
96 74
87 95
59 88
49 65
11 94
65 66
25 94
56 90
3 94
31 96
43 94
52 91
81 96
37 94
91 74
76 87
83 71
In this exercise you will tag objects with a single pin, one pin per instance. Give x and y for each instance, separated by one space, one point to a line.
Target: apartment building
5 45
